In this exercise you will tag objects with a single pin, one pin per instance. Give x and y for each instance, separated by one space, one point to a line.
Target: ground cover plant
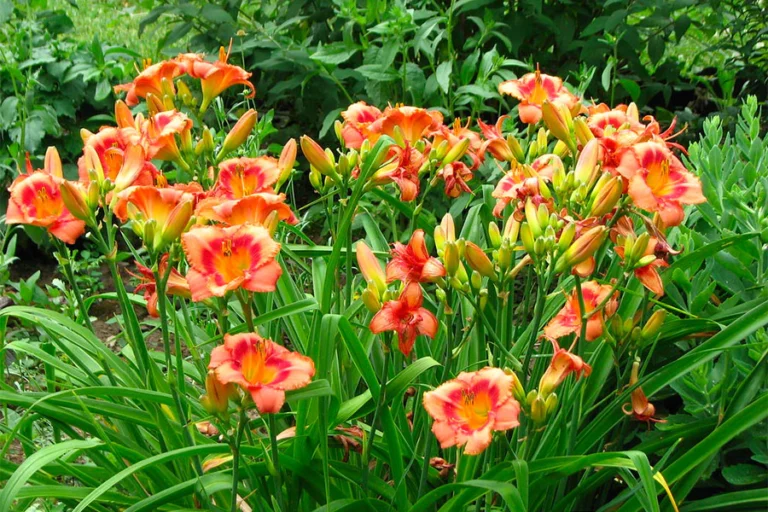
559 308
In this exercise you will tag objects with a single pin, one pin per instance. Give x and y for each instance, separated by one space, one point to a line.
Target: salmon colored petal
412 296
198 286
529 114
442 402
386 319
507 415
650 278
478 441
294 371
263 279
68 230
268 400
432 270
445 434
427 326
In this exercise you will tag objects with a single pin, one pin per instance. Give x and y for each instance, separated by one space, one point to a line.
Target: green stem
242 422
276 460
65 256
379 404
245 303
162 310
541 297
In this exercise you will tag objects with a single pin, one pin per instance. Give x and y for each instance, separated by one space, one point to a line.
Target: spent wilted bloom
468 409
176 285
640 408
562 364
261 367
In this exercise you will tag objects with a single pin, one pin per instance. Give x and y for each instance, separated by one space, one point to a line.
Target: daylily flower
468 409
562 364
160 132
241 177
370 267
547 165
357 120
407 317
457 133
150 81
117 157
412 262
223 259
568 320
411 122
261 367
456 176
35 199
403 170
253 209
613 120
176 285
168 209
641 408
533 89
215 77
658 182
518 184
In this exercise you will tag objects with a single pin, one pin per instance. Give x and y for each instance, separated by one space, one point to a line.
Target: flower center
254 366
474 409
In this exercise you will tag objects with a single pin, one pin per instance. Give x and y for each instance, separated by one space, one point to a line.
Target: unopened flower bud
239 133
567 236
582 131
539 247
74 198
217 395
123 115
558 119
637 250
526 236
445 232
633 113
476 280
451 257
286 161
654 324
582 249
371 268
494 235
183 93
539 410
441 296
605 196
561 149
154 104
93 165
517 387
531 215
551 403
456 152
176 224
93 195
371 300
317 157
586 166
483 294
542 215
504 255
205 145
512 229
479 261
315 179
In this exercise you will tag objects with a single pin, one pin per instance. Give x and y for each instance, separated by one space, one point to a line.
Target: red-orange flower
562 364
641 408
533 89
468 409
253 209
407 317
176 285
241 177
35 199
456 176
648 274
118 161
170 210
357 119
215 77
412 122
568 320
412 262
658 182
160 133
149 81
222 259
403 170
516 185
262 367
455 134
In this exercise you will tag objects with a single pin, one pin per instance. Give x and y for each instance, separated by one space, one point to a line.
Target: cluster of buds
629 331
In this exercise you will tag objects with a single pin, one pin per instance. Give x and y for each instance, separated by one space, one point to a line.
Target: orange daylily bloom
170 209
370 267
411 121
407 317
518 184
658 182
403 171
222 259
468 409
118 160
412 262
641 408
253 209
546 166
613 120
562 364
568 320
35 199
215 77
149 81
456 176
495 143
241 177
533 89
160 134
261 367
357 120
455 134
176 285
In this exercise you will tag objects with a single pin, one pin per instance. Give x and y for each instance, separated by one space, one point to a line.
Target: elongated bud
515 148
567 236
558 119
504 255
586 166
316 179
551 404
542 215
205 144
93 195
371 300
154 104
512 229
147 231
606 196
517 387
217 395
456 152
177 222
123 115
317 157
451 257
638 249
531 215
561 149
654 324
479 261
445 232
75 201
633 113
371 268
539 410
582 131
583 248
526 236
93 164
239 133
286 161
494 235
476 280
